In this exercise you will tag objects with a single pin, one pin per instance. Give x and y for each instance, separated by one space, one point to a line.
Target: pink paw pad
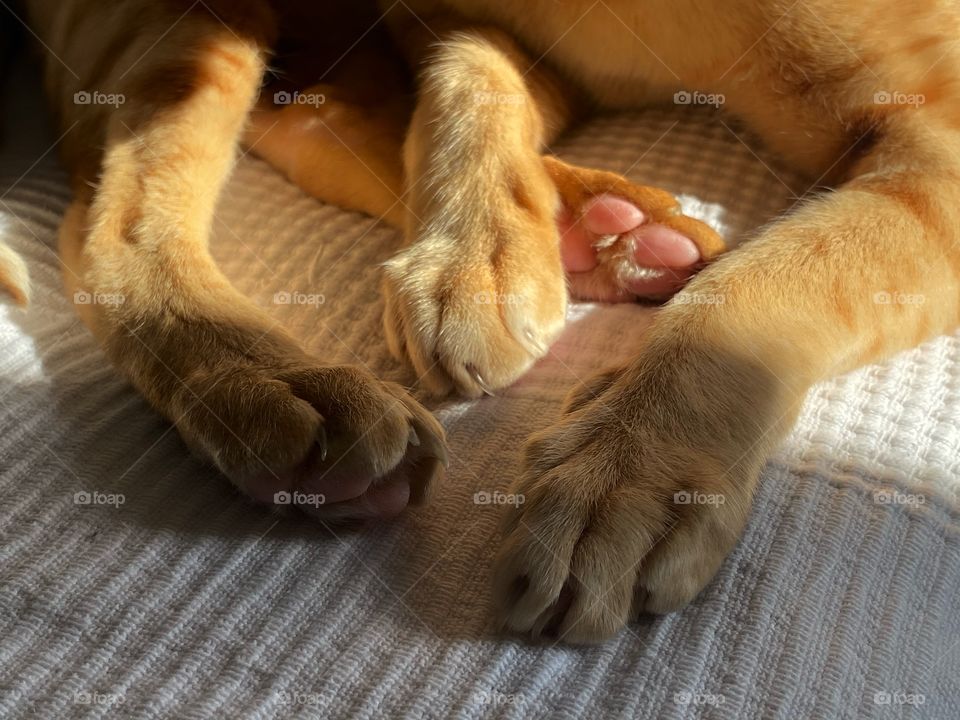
662 259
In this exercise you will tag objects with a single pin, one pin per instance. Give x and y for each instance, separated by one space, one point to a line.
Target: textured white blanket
167 595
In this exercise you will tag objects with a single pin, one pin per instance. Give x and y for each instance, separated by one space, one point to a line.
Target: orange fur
715 388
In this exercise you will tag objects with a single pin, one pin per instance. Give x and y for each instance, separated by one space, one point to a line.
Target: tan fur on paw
284 428
479 297
633 499
334 435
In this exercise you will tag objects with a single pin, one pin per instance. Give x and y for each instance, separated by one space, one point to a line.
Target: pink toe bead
611 215
658 246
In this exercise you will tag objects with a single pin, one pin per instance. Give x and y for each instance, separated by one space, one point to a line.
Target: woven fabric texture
186 601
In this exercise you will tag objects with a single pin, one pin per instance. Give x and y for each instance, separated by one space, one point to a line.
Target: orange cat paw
621 241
